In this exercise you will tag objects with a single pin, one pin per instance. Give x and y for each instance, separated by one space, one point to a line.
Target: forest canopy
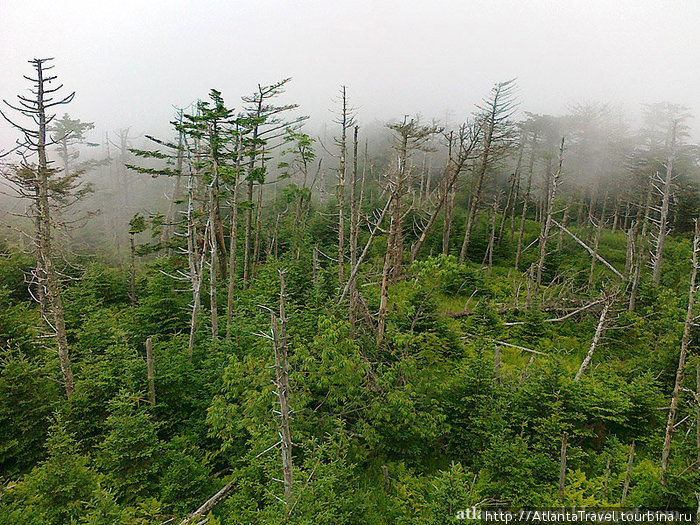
240 321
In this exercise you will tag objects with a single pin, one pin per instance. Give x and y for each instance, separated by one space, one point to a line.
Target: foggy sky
131 61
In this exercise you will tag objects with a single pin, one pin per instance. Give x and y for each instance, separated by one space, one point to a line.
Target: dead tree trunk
564 220
607 303
685 342
526 198
663 214
279 339
354 231
488 256
356 268
562 467
551 195
628 476
498 109
132 269
467 143
150 371
233 244
596 241
256 243
213 263
510 200
631 245
37 110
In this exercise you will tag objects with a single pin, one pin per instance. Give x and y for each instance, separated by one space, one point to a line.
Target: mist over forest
364 263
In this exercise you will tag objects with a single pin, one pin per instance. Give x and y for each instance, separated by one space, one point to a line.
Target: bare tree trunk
233 247
354 233
663 218
564 220
511 192
53 291
526 198
447 193
279 336
596 337
194 259
497 363
562 467
685 342
256 243
488 256
132 270
551 195
629 257
340 187
355 269
248 234
314 264
596 242
588 249
496 107
150 371
213 306
628 476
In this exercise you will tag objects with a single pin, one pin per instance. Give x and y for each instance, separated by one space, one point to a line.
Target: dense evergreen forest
241 322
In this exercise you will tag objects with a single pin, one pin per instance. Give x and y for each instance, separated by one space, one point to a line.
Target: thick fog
130 61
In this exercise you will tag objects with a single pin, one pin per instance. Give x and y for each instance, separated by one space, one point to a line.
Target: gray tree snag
409 135
547 224
279 339
35 142
346 120
233 243
497 132
526 198
588 249
467 140
562 467
510 201
628 476
488 256
596 241
607 301
150 371
356 267
685 343
264 124
663 213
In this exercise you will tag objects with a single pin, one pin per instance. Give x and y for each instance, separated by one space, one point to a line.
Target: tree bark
150 371
596 338
663 218
596 242
628 476
526 198
551 196
279 335
685 343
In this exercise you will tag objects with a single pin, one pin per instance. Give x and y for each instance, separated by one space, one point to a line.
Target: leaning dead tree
685 343
47 187
554 182
608 300
497 133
